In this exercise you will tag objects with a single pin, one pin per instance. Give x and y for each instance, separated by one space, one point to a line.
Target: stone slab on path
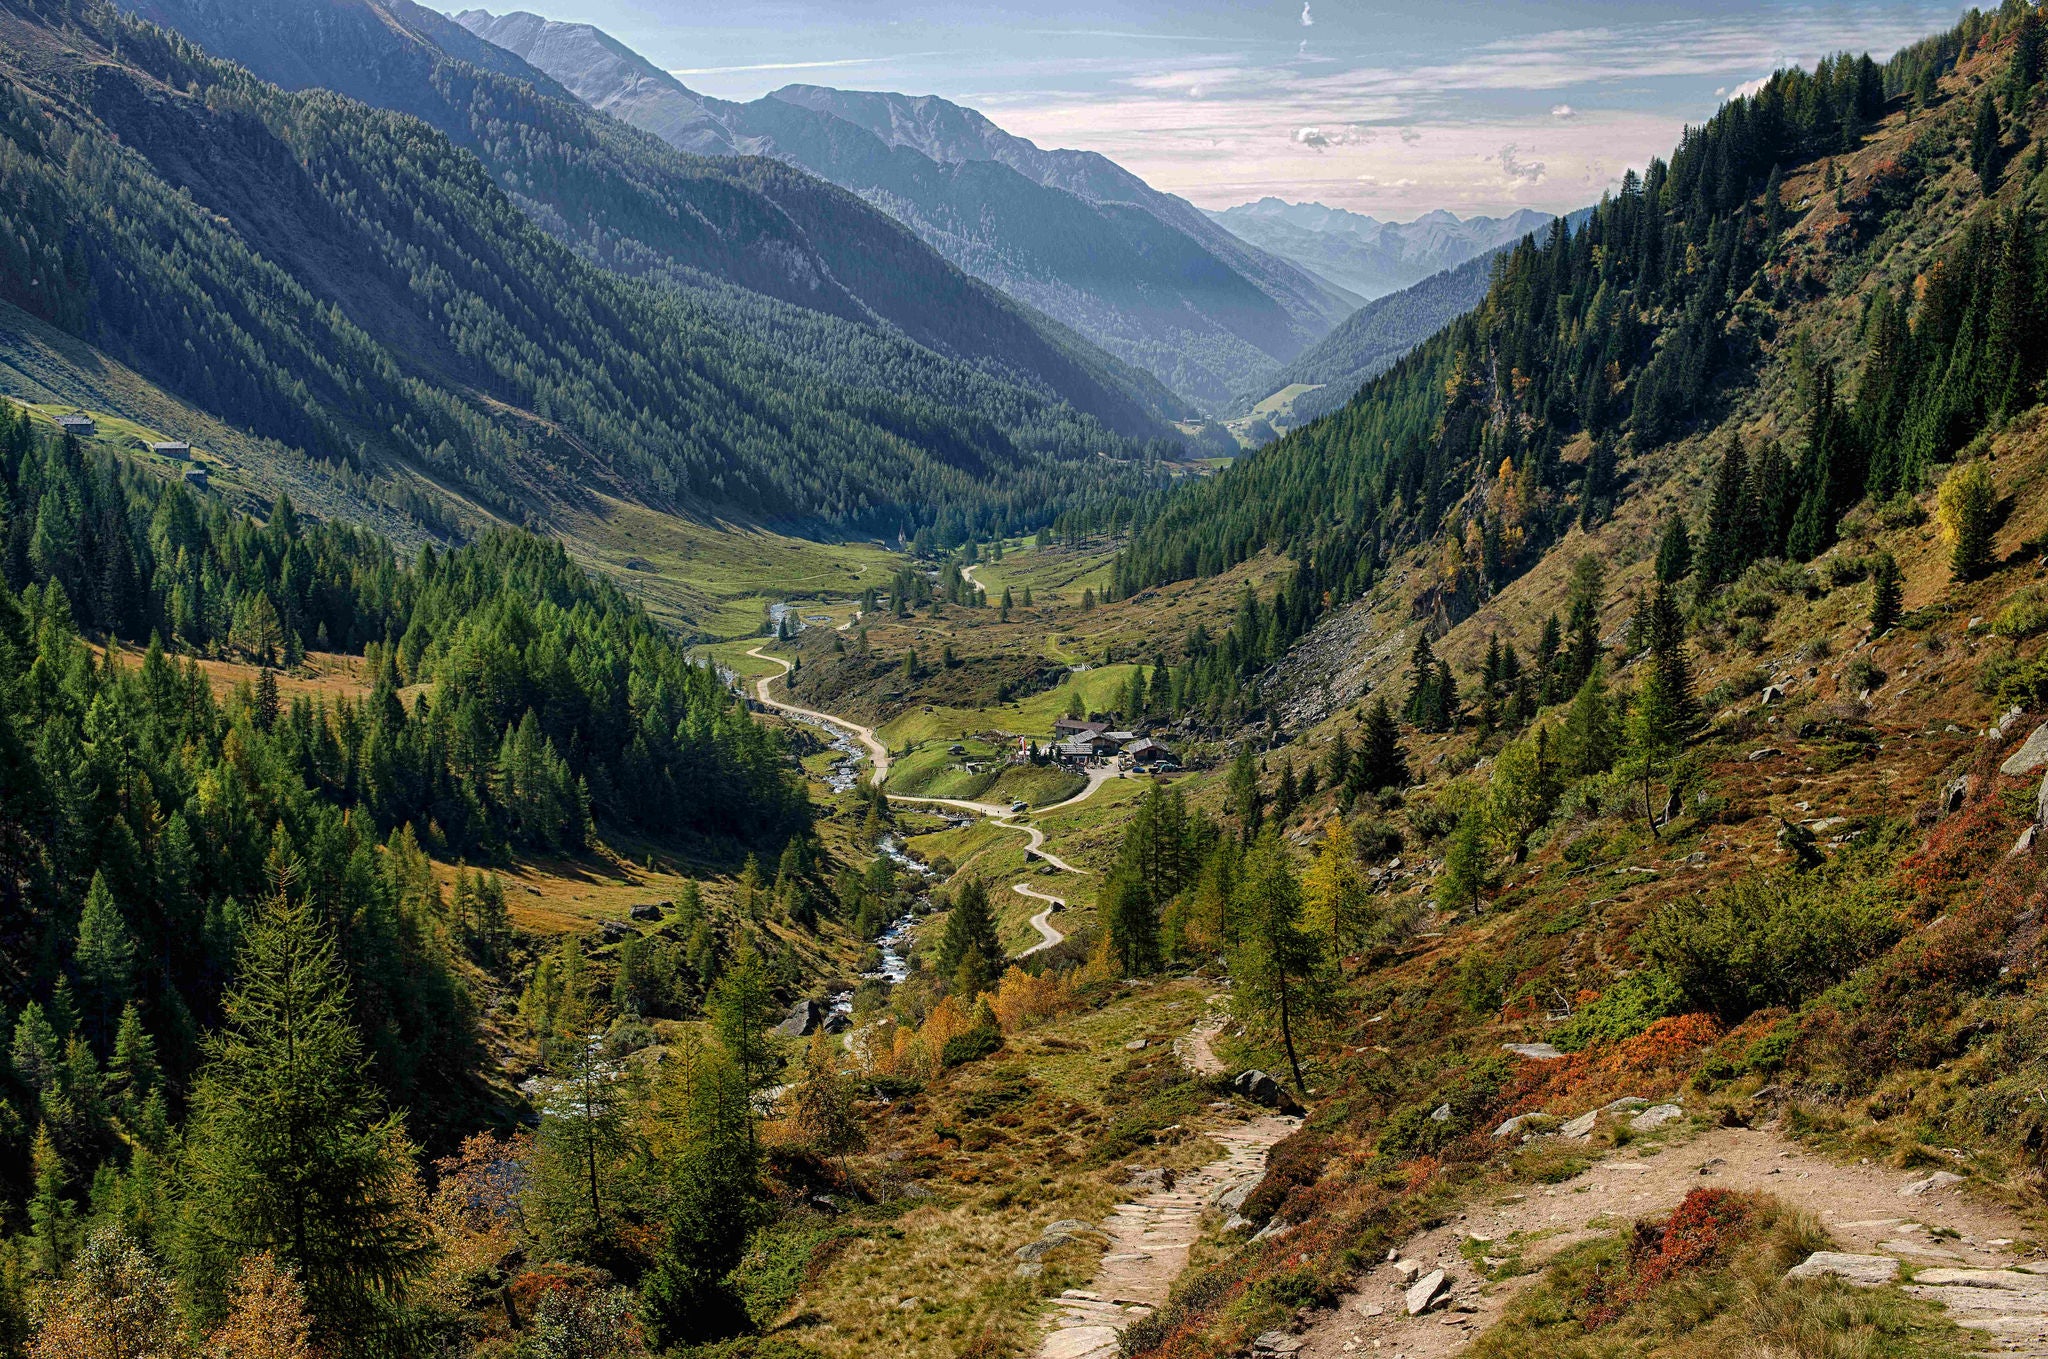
1149 1240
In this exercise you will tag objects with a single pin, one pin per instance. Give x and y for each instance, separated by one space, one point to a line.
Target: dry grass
1002 1148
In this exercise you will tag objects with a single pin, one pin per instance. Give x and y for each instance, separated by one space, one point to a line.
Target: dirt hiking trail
1861 1206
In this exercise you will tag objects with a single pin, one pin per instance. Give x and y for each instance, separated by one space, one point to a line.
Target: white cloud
1308 20
1563 111
1322 139
1515 168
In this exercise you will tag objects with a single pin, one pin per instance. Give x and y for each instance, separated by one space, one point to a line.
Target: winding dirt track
878 755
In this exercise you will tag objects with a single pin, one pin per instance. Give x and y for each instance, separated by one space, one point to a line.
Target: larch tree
1279 970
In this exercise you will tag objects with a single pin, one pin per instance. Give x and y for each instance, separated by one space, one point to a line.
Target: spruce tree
289 1148
742 1006
105 957
1985 138
706 1166
1380 763
1886 594
1586 745
1466 873
970 931
1582 619
1674 552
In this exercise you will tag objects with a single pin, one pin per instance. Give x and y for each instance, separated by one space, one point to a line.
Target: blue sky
1391 109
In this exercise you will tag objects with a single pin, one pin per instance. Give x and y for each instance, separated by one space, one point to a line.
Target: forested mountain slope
1373 339
1139 272
623 199
349 282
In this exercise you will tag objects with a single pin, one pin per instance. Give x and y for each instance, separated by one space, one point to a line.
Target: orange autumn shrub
1700 1233
1021 1001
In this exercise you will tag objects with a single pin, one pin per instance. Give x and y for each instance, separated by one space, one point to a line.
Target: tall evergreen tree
290 1150
1380 763
1278 969
970 943
1886 594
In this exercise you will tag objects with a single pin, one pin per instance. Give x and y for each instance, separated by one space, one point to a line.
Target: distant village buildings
1079 742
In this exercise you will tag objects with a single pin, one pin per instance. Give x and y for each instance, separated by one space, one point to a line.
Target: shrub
1752 637
1622 1011
2009 679
1768 1053
1735 688
1847 570
1769 940
1860 674
2025 614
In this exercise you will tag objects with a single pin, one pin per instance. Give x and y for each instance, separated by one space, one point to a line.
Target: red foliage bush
1699 1233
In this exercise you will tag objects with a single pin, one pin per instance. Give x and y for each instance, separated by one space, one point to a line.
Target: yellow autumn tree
1334 896
267 1316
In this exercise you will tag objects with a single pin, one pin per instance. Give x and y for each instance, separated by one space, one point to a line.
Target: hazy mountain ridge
1366 255
1144 274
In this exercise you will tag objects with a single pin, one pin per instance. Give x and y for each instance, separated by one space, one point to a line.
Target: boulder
2025 844
1257 1087
1535 1052
1763 753
1864 1271
1651 1119
1278 1342
2041 804
1519 1122
1440 1114
645 911
804 1018
1773 693
1154 1177
1955 793
1940 1179
1582 1126
1426 1292
2032 754
838 1022
1407 1271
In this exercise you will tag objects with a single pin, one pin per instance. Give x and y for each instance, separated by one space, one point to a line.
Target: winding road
1049 936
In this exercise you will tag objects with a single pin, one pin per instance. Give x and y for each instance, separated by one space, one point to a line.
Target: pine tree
289 1148
105 958
1886 594
1278 970
1674 552
1466 873
1586 745
706 1159
822 1102
1985 138
970 938
742 1006
52 1217
1380 763
267 704
1242 796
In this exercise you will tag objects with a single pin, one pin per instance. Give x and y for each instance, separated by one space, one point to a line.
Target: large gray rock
2041 804
1864 1271
2032 754
1535 1052
1940 1179
1582 1126
804 1018
1426 1292
1257 1087
1520 1122
1651 1119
